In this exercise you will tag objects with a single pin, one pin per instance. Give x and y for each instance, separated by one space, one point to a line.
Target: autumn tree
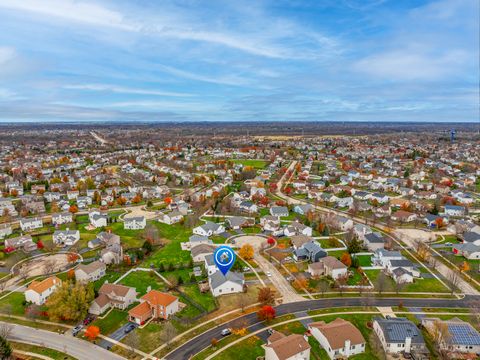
73 209
266 313
92 332
346 259
464 267
246 252
266 296
439 222
300 282
70 301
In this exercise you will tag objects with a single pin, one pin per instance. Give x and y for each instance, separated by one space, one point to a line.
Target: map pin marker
224 258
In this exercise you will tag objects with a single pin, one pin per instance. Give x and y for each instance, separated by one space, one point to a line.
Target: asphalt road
117 335
202 341
66 343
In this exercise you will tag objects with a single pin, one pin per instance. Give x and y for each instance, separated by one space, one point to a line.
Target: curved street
65 343
197 344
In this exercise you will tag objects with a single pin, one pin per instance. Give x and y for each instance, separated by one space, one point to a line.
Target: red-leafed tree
40 244
266 313
73 209
271 241
92 332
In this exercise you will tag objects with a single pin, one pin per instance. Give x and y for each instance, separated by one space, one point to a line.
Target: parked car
129 328
226 332
77 329
270 331
246 269
268 273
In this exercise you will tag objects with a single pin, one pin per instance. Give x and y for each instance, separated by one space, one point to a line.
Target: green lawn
172 252
255 163
112 321
53 354
13 303
364 260
130 238
206 300
250 348
419 285
355 279
141 280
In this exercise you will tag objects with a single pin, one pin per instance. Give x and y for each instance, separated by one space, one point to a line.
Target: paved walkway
79 349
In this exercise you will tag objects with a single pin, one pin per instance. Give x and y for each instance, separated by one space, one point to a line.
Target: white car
268 273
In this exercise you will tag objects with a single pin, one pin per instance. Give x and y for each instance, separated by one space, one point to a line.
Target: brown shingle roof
289 345
118 290
338 331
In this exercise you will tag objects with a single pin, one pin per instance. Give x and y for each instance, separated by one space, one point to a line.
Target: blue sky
284 60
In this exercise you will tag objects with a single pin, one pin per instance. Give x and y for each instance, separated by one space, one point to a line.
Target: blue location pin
224 258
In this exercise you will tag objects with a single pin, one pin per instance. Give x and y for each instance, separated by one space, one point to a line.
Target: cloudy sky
262 60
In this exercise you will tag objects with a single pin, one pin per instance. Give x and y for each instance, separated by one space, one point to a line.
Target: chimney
408 344
347 348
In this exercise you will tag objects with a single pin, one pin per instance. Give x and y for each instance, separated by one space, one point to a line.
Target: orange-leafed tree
121 201
464 267
266 313
72 257
168 200
439 222
300 283
136 199
346 259
71 274
73 209
92 332
246 252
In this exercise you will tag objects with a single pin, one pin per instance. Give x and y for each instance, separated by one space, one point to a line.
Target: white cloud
411 65
124 90
78 11
6 54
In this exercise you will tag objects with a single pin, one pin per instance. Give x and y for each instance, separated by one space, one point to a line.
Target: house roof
141 310
155 297
333 263
118 290
41 286
396 330
289 346
338 331
218 279
460 332
300 240
91 267
202 249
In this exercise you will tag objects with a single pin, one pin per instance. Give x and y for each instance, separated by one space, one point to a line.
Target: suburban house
374 241
24 242
210 266
399 335
467 250
237 222
279 211
198 252
134 223
62 218
462 337
31 224
282 347
209 229
339 338
5 230
303 209
220 284
97 219
342 223
113 252
38 291
296 228
454 210
90 272
113 295
154 305
328 266
66 237
172 217
311 251
403 216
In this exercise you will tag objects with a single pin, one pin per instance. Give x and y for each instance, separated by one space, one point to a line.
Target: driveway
281 284
117 335
66 343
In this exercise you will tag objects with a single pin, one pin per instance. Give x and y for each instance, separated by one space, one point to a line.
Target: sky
239 60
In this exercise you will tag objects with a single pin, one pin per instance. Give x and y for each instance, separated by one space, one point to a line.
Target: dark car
129 328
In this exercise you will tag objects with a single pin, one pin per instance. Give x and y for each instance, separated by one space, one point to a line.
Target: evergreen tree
5 348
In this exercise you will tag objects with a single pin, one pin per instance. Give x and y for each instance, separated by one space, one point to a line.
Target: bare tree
168 334
453 280
381 282
49 266
5 330
132 341
399 285
323 287
242 301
